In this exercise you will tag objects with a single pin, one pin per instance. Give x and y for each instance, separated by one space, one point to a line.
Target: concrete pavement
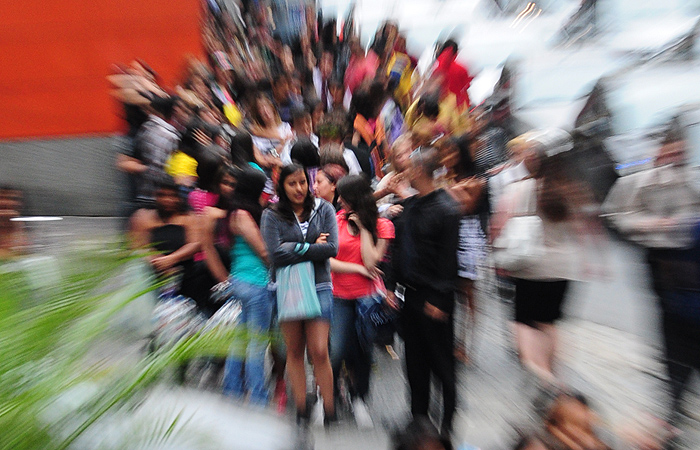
610 352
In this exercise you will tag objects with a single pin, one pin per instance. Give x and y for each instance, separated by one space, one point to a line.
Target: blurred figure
369 138
302 129
561 204
362 67
243 151
425 268
300 229
245 366
363 239
168 230
270 136
285 101
453 76
421 434
326 183
459 179
304 152
338 100
13 236
322 78
660 209
489 141
395 187
155 142
223 93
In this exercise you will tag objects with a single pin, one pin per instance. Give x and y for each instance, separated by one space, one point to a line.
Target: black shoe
330 420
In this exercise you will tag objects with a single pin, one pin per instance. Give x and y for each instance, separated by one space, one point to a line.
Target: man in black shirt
425 265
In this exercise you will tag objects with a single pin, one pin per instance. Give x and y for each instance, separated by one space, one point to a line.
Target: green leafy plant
47 333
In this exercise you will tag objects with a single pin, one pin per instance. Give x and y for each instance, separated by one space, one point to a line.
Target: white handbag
521 241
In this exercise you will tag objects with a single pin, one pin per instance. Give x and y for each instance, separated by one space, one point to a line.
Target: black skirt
539 301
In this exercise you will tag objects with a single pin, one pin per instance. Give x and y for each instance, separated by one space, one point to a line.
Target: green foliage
45 335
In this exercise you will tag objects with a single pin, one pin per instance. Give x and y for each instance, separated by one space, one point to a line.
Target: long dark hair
357 194
284 206
554 197
255 110
305 153
242 151
249 186
210 170
465 166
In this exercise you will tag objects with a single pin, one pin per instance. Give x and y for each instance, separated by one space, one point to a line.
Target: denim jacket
286 243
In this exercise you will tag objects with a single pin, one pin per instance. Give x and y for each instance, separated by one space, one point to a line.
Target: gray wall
65 177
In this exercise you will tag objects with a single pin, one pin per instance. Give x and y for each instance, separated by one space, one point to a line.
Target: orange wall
56 54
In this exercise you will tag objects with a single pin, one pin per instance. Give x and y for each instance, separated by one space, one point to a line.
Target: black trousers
429 349
681 354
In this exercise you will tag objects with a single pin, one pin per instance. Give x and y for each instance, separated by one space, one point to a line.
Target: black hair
362 103
305 153
466 167
209 170
431 106
312 103
300 112
242 151
249 187
189 143
356 192
284 206
419 432
167 183
280 77
450 44
165 106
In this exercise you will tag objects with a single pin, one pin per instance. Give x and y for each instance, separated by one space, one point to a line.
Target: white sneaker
361 413
317 413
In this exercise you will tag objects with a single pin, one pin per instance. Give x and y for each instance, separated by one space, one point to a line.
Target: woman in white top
553 195
270 136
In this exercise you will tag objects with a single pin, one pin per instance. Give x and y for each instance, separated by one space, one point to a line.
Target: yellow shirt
180 164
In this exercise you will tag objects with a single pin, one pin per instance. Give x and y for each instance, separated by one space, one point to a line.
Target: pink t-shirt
198 200
360 69
351 285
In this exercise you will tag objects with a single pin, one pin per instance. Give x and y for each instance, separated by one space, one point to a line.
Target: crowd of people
321 184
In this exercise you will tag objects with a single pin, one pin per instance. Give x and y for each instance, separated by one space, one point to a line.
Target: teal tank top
246 265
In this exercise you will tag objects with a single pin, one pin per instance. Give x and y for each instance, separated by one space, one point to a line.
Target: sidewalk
617 370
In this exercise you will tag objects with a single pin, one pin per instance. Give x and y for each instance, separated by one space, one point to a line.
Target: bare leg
534 350
317 342
550 343
471 307
293 333
460 322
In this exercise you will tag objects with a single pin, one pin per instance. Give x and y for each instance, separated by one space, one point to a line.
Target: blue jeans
248 373
345 344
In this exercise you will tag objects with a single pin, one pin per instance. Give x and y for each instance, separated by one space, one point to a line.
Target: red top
360 69
351 285
456 76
